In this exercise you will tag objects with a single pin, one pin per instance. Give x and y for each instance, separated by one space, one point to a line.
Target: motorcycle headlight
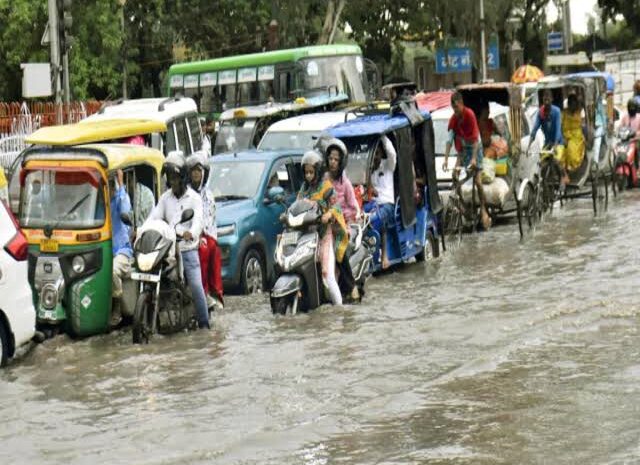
226 230
78 264
147 260
295 221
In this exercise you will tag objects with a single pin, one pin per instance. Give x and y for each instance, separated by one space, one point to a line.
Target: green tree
629 9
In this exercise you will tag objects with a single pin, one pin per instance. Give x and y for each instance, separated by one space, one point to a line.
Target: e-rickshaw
591 178
66 216
513 188
416 225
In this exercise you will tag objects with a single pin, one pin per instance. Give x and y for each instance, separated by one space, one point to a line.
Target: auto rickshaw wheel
431 246
4 345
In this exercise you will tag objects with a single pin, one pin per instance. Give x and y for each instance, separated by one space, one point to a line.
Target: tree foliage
629 9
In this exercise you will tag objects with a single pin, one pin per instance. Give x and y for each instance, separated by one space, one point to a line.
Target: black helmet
632 107
175 164
198 159
336 144
313 157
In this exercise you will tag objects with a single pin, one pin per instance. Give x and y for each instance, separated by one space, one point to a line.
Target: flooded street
503 352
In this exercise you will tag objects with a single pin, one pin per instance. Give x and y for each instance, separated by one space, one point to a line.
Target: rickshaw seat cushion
495 193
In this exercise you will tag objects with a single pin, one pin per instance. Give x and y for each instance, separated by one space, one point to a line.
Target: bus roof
94 131
264 58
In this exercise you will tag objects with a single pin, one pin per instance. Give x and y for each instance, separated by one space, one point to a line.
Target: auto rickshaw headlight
49 296
78 264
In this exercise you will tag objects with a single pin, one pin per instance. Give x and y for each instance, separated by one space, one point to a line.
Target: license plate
152 278
290 238
48 245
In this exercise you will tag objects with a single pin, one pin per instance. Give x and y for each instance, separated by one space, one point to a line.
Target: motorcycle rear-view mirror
187 215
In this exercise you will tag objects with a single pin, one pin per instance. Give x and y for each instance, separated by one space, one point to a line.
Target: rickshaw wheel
141 319
452 223
431 247
550 181
527 208
599 192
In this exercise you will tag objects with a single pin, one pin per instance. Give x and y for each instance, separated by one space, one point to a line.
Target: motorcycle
626 173
299 284
164 304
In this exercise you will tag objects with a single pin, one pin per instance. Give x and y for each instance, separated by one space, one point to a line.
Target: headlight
146 260
49 296
226 230
78 264
295 221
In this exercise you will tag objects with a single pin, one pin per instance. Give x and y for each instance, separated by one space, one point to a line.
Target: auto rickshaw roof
373 124
111 156
504 93
94 131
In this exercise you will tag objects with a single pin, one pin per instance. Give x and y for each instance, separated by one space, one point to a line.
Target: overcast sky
579 11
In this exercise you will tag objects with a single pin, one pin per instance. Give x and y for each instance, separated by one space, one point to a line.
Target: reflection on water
503 352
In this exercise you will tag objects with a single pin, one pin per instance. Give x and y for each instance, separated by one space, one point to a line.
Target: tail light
17 246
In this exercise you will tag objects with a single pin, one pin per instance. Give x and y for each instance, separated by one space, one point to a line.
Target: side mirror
126 218
275 194
187 215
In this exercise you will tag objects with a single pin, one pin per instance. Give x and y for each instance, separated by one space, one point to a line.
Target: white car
17 315
301 132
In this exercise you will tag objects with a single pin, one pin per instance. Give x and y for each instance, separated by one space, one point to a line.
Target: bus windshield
340 74
234 136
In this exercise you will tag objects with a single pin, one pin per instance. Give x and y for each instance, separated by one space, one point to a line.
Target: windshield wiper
48 230
223 198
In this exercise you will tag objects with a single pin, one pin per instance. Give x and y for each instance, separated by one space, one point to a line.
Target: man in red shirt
464 133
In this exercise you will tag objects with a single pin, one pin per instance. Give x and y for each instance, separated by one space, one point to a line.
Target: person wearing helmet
632 119
336 159
209 253
333 232
172 203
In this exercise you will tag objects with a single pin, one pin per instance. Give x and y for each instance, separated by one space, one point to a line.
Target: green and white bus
281 76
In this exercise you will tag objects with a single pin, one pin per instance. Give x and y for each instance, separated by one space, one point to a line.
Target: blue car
248 212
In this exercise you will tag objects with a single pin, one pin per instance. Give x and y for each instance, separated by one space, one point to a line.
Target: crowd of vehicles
268 239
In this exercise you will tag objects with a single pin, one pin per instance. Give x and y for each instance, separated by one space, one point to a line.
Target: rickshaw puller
549 118
172 203
465 134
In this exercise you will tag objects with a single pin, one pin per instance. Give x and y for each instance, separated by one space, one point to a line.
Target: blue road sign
458 59
555 42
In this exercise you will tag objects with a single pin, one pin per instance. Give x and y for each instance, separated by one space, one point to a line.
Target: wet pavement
501 352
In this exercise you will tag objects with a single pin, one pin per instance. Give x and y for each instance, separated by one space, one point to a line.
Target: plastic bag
488 171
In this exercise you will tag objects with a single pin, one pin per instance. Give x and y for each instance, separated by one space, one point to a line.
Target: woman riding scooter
336 159
333 232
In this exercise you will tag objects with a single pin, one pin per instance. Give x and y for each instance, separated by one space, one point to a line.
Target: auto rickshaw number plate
152 278
48 245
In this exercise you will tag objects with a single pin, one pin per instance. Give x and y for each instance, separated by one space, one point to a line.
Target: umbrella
526 73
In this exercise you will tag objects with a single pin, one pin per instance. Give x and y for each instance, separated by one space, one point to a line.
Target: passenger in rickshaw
333 231
493 144
336 158
573 136
381 205
208 251
121 243
465 134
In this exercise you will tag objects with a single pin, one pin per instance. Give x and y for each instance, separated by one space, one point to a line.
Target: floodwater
501 352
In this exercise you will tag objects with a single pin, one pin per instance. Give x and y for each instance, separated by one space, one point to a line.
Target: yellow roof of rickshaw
117 156
95 131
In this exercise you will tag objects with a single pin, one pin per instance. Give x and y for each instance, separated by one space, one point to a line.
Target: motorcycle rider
172 203
336 159
209 253
333 231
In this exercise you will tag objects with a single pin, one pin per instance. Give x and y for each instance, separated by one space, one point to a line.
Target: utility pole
124 50
566 26
483 45
55 56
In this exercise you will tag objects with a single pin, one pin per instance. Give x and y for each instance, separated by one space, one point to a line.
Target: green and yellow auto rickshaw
66 217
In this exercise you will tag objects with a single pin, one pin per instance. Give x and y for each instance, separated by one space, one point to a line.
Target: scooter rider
172 203
336 158
209 253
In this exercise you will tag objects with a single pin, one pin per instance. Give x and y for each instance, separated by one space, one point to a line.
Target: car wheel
4 345
253 273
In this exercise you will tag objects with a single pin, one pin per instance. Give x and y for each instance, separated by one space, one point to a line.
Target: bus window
247 93
209 99
228 96
265 91
284 87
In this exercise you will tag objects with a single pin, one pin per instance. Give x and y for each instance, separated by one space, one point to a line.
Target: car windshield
235 136
288 140
235 180
344 74
62 199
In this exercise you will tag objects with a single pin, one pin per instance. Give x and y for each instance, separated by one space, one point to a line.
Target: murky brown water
500 353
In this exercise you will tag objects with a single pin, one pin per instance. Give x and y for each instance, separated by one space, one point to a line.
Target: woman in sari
333 230
573 136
